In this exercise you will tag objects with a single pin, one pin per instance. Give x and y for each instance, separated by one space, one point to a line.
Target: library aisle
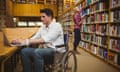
86 63
89 63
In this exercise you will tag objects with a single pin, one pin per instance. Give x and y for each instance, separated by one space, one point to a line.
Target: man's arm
36 41
27 41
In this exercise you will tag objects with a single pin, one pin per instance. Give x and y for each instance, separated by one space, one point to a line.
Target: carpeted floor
89 63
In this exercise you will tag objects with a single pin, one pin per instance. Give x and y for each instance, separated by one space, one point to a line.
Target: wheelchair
61 62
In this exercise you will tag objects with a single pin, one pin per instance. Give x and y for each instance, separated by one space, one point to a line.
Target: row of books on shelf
35 1
115 44
85 12
114 58
86 20
115 3
101 52
67 23
67 14
66 4
115 16
100 6
95 8
94 39
86 3
115 30
96 18
99 17
95 28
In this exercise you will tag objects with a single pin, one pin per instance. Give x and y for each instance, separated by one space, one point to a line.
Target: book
105 54
115 44
113 30
97 28
118 30
88 2
118 59
115 3
112 57
115 16
103 29
104 41
118 44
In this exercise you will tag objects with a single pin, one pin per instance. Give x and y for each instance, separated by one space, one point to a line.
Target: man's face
44 18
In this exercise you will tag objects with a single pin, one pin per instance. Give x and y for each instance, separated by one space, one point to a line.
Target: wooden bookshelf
114 33
100 32
66 20
2 7
60 7
5 14
40 1
36 1
98 18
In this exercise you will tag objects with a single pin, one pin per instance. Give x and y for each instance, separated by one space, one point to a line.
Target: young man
50 34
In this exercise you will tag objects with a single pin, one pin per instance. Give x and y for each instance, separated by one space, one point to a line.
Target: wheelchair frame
62 62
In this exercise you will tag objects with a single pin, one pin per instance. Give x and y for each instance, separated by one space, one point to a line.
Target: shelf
98 20
96 55
115 7
88 6
114 36
95 23
89 33
114 50
99 11
95 2
67 20
103 22
103 46
115 22
100 34
86 41
114 64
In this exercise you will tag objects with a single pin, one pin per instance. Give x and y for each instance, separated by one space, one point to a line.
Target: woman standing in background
77 27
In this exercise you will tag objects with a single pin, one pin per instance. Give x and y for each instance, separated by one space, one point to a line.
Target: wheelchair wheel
69 62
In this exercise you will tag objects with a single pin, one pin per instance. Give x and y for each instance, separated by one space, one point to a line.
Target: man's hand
18 42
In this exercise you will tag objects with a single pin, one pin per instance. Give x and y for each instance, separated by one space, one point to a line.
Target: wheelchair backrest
66 41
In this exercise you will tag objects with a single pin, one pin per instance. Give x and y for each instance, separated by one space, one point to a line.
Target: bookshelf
53 2
67 20
60 7
67 4
100 29
100 32
65 13
4 15
114 33
2 7
40 1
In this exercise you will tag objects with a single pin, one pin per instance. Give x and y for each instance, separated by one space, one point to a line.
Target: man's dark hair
47 11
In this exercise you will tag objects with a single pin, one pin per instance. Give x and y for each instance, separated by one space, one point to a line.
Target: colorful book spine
118 30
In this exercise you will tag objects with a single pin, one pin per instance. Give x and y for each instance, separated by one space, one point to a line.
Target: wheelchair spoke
70 64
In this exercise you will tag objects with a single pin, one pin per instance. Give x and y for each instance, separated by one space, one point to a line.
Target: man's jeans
35 56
